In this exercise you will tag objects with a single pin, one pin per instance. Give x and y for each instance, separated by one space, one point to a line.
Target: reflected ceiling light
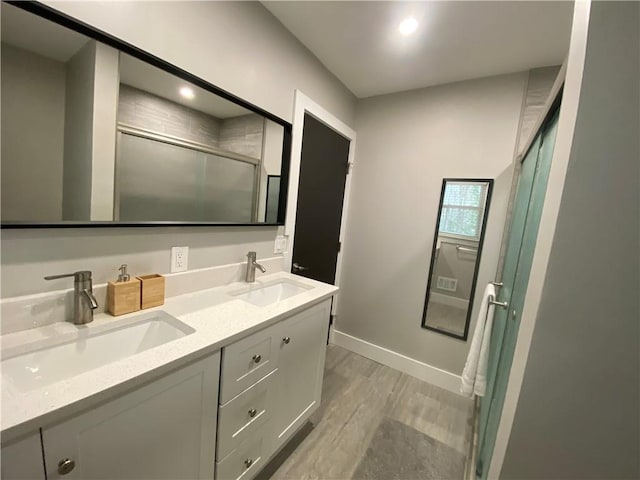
187 92
408 26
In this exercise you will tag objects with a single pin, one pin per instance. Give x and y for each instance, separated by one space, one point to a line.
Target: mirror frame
64 20
485 216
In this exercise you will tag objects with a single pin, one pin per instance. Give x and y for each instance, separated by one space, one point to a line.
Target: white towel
474 375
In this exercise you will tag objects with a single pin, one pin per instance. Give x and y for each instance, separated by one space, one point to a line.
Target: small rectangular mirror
462 215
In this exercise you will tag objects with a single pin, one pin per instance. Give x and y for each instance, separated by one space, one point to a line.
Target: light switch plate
280 244
179 259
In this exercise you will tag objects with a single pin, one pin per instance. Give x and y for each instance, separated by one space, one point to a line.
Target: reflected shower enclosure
459 234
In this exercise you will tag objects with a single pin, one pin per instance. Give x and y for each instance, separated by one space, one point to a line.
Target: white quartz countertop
218 318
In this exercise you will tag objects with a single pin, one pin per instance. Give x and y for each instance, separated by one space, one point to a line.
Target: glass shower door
157 181
160 181
523 232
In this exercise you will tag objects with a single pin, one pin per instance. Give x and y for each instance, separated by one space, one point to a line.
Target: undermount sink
263 295
68 355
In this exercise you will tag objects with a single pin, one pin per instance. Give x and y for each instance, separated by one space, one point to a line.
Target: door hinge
349 167
339 246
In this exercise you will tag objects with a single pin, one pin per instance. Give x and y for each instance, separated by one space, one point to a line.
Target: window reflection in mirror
455 258
90 133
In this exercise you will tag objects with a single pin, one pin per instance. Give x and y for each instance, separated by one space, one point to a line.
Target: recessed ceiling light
187 92
408 26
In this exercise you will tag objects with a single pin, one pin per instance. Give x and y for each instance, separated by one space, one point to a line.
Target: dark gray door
323 173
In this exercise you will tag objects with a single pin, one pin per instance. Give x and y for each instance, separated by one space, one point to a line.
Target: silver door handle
299 268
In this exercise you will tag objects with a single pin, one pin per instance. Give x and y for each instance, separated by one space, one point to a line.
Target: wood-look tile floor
356 395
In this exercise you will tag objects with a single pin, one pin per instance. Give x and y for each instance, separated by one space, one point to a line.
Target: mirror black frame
489 182
60 18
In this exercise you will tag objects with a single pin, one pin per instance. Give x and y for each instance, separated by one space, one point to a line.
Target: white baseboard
433 375
449 300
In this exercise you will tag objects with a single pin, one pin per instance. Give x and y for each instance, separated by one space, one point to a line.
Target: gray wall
578 410
248 53
407 143
26 257
243 134
78 134
105 109
33 96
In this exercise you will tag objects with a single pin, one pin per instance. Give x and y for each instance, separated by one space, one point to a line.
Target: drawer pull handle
66 466
286 340
257 358
248 462
252 412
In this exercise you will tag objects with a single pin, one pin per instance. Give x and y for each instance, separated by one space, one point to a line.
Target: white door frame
302 105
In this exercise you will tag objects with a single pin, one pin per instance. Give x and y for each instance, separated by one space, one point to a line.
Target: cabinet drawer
241 417
249 458
247 361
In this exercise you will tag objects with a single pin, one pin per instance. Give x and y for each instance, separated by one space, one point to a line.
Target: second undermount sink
262 295
67 355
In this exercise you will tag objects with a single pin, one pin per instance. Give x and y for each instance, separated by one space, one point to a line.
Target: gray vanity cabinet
270 384
276 377
165 429
301 364
22 459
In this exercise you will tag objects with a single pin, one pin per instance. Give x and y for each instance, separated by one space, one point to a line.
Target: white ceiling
30 32
359 42
35 34
144 76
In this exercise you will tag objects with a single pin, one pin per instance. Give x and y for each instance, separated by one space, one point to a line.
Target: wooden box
152 290
123 297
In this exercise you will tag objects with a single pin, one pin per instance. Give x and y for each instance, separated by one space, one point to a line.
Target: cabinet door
23 459
165 429
301 366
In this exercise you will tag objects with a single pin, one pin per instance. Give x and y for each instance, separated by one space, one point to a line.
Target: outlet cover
179 259
280 244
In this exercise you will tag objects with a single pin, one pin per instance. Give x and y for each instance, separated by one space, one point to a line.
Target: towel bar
460 248
492 301
499 304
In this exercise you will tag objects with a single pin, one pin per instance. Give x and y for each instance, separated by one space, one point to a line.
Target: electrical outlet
179 259
280 244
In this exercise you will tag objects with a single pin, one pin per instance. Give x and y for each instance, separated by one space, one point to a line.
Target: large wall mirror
94 132
459 235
